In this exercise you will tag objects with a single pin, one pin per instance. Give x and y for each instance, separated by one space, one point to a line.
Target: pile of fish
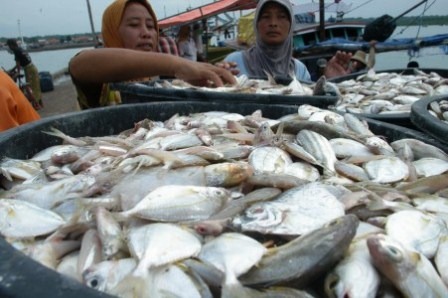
388 92
220 204
247 85
439 109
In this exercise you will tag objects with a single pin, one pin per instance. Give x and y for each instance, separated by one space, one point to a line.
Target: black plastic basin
20 276
427 122
139 92
401 119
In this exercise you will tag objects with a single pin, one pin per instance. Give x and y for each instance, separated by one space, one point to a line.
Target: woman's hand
230 66
203 74
338 65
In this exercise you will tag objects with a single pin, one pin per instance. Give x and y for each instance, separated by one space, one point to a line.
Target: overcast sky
47 17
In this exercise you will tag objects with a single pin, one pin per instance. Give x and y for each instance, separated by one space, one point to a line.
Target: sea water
55 61
51 61
426 57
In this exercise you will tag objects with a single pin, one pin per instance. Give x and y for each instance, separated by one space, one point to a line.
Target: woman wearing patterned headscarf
130 36
272 52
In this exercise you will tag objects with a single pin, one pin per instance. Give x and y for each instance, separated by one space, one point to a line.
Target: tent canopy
206 11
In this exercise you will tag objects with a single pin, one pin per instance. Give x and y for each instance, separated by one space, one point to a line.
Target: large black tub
20 276
147 92
428 123
401 119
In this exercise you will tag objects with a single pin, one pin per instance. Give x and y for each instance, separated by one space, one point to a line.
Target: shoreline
57 47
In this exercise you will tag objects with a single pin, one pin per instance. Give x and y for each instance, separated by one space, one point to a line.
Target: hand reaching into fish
230 66
203 74
338 65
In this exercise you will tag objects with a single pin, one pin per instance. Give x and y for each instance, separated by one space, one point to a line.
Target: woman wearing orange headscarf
130 36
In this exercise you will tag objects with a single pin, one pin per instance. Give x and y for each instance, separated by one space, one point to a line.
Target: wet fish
106 275
411 272
417 230
19 169
319 147
233 254
20 219
283 265
269 159
179 203
296 211
380 171
355 275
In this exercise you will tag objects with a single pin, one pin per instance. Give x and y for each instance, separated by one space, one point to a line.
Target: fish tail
55 132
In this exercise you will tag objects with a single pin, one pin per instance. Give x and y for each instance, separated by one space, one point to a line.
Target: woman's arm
114 65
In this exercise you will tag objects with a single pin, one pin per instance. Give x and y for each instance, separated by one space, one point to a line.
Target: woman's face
137 28
273 23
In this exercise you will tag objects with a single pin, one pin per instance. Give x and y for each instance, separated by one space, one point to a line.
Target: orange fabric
112 19
15 109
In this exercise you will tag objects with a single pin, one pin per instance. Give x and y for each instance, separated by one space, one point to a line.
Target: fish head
388 256
95 278
333 286
260 217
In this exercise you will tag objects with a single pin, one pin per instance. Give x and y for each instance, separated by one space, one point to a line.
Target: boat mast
23 44
321 20
95 38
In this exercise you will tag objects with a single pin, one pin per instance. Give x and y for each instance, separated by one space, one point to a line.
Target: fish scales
318 146
324 246
117 182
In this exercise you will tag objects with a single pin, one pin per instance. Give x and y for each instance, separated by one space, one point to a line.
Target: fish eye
394 253
333 222
201 229
331 283
93 283
219 192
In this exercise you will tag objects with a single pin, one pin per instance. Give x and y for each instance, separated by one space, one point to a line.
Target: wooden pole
321 20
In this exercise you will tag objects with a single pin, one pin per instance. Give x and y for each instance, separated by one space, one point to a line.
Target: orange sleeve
15 109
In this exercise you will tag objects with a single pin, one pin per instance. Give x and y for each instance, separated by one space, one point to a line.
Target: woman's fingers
206 74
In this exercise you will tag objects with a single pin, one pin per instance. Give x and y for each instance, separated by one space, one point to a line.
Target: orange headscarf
112 18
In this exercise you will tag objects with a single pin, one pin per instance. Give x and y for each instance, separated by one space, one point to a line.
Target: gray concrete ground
61 100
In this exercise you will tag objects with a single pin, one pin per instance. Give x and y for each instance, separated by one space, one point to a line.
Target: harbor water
56 61
52 61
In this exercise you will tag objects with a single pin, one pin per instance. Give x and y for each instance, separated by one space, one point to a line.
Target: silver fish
20 219
355 275
387 170
180 203
411 272
233 254
269 159
106 275
318 146
19 169
159 244
283 265
417 230
296 211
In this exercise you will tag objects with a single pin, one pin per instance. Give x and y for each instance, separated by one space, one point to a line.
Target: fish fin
376 205
122 216
130 287
271 79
